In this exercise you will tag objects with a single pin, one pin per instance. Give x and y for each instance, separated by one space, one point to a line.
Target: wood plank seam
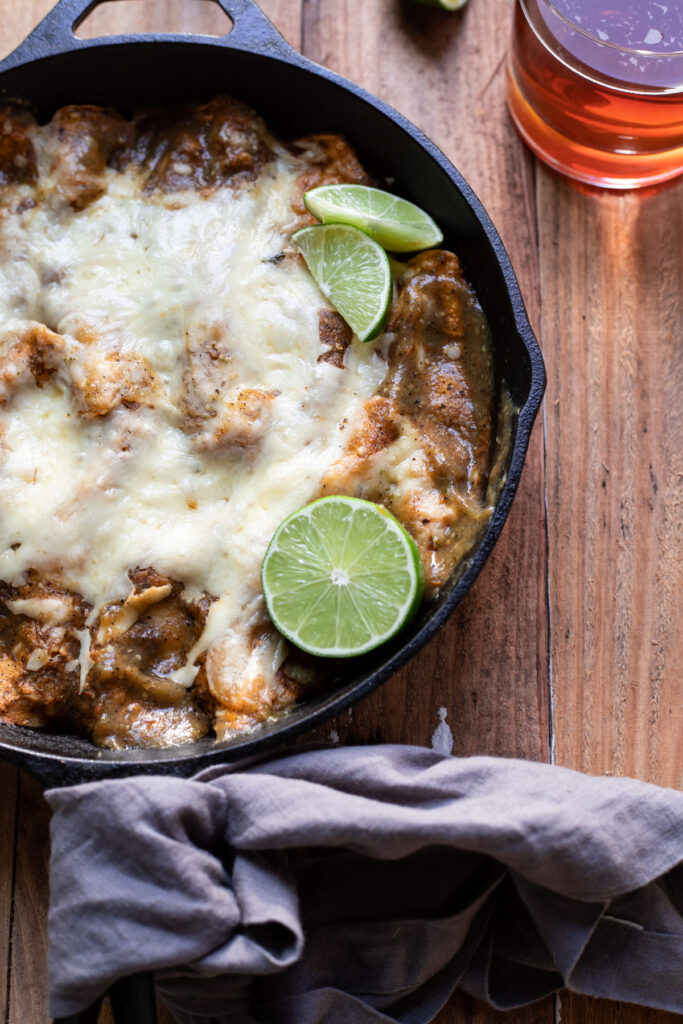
546 523
302 28
8 972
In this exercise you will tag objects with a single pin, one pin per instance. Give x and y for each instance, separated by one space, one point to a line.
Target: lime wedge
341 576
351 271
396 224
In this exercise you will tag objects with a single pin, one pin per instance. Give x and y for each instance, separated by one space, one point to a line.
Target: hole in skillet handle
250 30
152 17
132 1002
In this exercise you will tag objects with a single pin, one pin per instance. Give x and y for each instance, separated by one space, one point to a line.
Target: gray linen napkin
363 885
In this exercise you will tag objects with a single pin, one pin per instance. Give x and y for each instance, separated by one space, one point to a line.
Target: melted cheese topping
89 498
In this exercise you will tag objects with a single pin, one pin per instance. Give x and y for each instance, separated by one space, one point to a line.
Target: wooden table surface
569 646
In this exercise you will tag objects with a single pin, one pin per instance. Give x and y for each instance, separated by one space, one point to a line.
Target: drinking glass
595 87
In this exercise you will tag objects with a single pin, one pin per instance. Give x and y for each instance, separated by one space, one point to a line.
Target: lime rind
353 273
359 539
394 223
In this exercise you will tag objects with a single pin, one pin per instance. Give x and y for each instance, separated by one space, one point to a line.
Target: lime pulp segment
341 576
353 273
396 224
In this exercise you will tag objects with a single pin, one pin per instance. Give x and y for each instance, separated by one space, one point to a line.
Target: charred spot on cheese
172 386
335 335
219 413
119 378
29 351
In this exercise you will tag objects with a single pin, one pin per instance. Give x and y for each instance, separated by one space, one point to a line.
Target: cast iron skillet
52 67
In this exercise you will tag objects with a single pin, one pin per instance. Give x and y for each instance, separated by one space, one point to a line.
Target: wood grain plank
28 987
8 815
614 414
611 280
580 1010
163 1015
18 20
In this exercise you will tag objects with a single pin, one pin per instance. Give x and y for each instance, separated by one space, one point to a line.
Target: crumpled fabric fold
362 885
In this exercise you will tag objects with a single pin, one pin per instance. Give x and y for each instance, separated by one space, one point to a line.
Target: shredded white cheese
90 498
49 611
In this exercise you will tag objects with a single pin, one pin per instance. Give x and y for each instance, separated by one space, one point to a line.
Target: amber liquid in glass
602 114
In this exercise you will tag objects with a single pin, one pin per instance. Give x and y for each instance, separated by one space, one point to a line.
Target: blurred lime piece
445 5
353 273
341 576
396 224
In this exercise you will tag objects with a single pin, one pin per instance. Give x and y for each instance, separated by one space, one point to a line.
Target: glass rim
658 54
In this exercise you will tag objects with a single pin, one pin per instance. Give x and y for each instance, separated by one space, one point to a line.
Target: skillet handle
132 1002
251 30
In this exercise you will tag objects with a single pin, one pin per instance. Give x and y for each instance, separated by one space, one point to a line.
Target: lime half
351 271
341 576
396 224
